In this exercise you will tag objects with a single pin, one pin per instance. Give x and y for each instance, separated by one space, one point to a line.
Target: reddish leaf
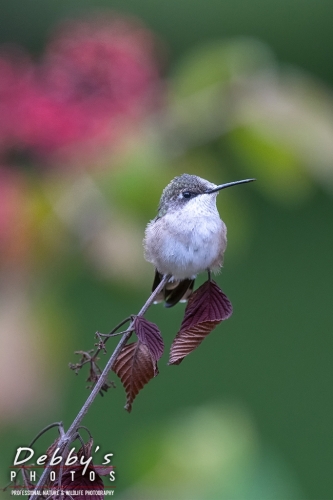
83 480
149 335
206 308
135 367
86 487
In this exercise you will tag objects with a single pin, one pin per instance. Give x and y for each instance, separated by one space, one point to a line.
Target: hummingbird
187 236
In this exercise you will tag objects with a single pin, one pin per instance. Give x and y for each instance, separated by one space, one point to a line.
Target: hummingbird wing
160 296
173 292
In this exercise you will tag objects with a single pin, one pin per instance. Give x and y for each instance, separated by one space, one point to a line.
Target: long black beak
228 184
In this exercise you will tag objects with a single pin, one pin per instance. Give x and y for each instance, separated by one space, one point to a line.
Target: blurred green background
245 90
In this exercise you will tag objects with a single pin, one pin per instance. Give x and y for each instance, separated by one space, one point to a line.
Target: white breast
188 241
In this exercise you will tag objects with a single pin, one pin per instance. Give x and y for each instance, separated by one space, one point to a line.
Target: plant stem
70 435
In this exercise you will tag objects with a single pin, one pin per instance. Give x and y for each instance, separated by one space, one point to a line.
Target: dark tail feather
181 292
173 292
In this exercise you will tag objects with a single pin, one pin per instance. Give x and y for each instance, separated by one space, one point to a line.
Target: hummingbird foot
174 291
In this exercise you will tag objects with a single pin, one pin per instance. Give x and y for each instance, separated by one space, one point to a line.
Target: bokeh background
101 105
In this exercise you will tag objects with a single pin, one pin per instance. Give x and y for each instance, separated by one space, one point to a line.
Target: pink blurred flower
107 65
96 80
16 75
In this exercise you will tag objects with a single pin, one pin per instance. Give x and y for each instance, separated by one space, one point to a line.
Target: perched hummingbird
187 236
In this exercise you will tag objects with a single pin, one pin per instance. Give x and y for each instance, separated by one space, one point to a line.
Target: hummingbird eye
187 194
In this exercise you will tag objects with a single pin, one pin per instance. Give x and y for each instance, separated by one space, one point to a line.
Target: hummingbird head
185 188
180 191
